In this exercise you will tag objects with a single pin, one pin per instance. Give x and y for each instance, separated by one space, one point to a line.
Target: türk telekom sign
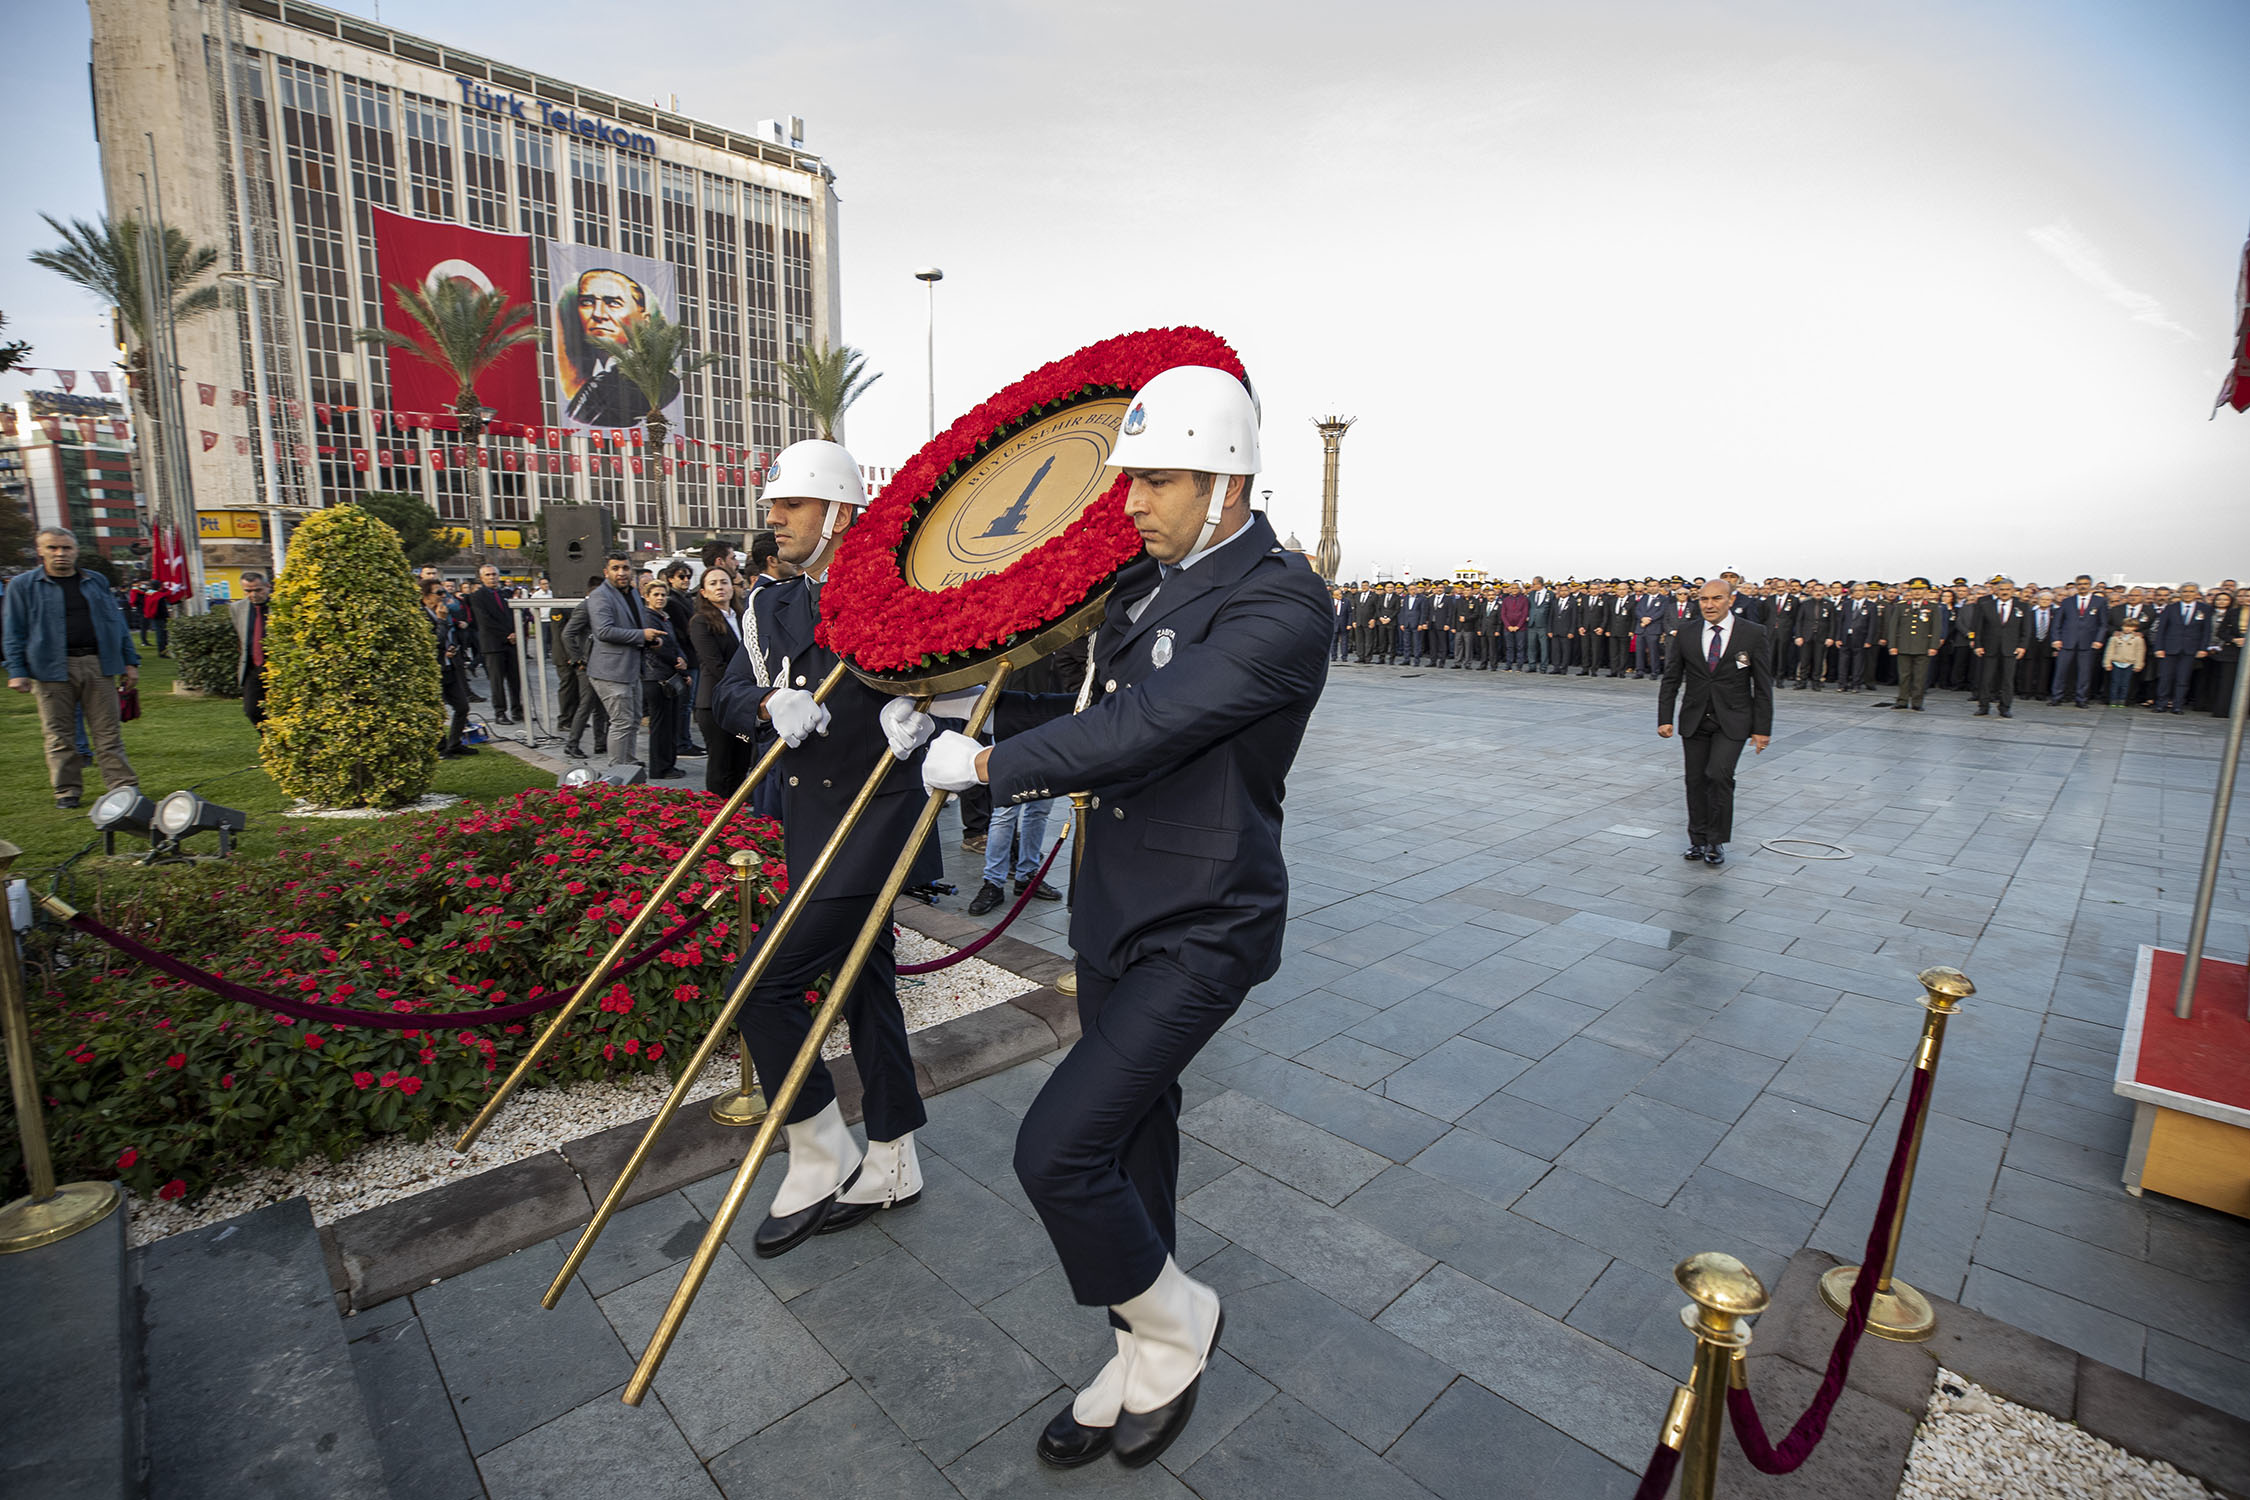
516 106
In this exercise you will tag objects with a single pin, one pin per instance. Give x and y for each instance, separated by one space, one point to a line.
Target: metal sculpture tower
1329 559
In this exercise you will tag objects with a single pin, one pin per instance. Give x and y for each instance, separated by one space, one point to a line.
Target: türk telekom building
343 157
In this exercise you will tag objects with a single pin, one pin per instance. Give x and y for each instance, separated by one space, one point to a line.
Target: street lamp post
930 276
251 284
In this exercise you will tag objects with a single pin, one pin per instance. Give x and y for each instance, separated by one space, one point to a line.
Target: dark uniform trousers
1913 677
1996 678
1099 1151
776 1018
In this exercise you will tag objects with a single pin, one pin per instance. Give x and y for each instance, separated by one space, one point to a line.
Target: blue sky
1613 287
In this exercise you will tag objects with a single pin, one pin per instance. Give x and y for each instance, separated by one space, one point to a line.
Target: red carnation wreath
884 624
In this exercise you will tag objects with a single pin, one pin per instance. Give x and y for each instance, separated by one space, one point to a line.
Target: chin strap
1219 484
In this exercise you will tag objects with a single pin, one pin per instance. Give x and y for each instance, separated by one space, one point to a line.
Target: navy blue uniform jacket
1200 707
820 777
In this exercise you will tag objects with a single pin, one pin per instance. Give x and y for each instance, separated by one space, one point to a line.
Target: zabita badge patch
1160 654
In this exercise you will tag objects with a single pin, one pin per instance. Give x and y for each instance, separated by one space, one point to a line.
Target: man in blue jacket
2082 630
2183 638
1208 667
67 644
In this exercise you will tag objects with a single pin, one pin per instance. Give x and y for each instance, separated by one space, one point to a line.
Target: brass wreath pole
785 1097
624 941
800 896
747 1104
1726 1295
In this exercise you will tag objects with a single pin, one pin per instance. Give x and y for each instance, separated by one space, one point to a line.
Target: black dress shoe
1694 852
1068 1442
1982 712
66 800
2007 713
987 897
1715 855
844 1215
1040 892
1140 1438
779 1235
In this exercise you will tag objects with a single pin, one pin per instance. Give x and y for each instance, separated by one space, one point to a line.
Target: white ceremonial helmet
816 470
1197 418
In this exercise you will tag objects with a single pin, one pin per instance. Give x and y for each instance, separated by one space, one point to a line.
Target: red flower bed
173 1090
873 616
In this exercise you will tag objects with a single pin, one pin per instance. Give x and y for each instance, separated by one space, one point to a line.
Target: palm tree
469 330
13 352
828 381
653 357
105 259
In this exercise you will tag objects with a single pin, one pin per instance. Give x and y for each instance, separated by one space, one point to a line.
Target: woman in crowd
715 631
2230 625
663 678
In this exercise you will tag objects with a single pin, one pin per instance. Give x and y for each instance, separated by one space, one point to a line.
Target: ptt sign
477 96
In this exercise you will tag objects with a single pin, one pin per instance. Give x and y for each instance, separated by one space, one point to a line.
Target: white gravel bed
1972 1445
428 802
539 1119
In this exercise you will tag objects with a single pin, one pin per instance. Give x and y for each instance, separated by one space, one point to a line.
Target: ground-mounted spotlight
125 810
183 813
578 776
625 775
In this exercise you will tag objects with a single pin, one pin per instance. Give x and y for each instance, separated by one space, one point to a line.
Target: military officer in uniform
1913 630
815 491
1209 667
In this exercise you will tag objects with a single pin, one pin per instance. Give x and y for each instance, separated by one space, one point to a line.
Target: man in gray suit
249 614
622 632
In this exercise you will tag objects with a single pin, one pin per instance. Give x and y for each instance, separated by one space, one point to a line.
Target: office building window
636 206
484 170
589 193
429 156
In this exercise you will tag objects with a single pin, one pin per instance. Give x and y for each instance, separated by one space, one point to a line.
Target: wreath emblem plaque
1000 538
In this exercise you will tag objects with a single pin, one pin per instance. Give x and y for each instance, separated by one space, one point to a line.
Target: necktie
2003 614
258 635
1717 641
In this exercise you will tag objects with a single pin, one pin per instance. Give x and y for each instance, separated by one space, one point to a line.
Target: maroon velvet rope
1764 1456
1658 1478
376 1020
973 949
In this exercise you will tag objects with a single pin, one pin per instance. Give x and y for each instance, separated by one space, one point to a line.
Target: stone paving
1520 1059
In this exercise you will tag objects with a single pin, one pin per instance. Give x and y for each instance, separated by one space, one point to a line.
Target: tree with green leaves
13 352
828 381
654 358
105 258
468 330
416 524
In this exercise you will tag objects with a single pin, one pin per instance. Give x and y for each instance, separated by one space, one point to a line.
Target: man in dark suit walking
1999 634
1724 663
249 614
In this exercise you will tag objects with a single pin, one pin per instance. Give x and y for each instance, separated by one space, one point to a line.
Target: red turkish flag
210 441
574 463
2234 391
360 459
69 379
484 456
117 428
511 460
242 445
414 252
636 466
101 381
209 394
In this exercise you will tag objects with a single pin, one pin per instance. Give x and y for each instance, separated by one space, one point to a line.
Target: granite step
250 1388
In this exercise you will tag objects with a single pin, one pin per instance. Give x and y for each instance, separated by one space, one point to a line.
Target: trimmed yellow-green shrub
353 717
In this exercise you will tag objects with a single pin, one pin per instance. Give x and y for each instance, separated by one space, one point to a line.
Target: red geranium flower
173 1190
127 1157
363 1080
176 1060
410 1086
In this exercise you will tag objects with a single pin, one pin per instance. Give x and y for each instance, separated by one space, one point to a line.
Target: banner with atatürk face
598 295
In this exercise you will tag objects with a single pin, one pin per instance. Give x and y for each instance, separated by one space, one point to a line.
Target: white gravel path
1972 1445
540 1119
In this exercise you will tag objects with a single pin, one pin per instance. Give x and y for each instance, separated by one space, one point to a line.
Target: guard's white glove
795 716
951 765
905 727
956 705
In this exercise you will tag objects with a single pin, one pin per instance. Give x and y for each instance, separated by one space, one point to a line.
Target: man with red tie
249 613
1723 664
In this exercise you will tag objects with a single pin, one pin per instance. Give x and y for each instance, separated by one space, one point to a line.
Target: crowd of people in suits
2167 648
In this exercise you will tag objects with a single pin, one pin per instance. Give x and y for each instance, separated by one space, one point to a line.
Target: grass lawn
202 743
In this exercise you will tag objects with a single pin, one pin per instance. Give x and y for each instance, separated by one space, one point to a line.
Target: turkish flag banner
210 441
360 459
636 466
484 456
511 460
101 381
2234 391
69 379
208 394
415 253
117 428
242 445
575 463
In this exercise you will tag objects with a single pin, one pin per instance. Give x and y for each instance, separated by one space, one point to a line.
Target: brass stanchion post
51 1213
1899 1312
747 1104
1066 983
1726 1294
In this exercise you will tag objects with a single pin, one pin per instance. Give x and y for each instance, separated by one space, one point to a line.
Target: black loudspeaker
579 537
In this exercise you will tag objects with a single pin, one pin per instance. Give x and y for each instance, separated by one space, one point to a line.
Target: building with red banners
338 159
68 460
